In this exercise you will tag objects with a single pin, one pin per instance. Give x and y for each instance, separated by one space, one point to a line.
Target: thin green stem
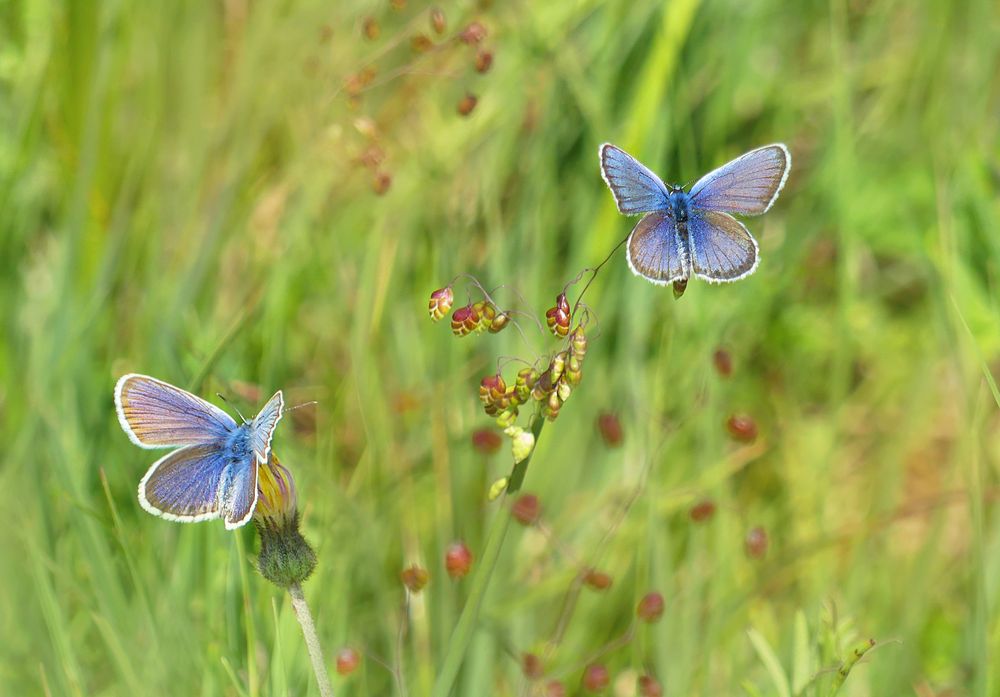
461 637
305 619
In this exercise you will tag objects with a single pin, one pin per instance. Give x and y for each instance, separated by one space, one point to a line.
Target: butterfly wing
238 493
749 185
721 247
263 425
156 414
184 485
654 252
635 188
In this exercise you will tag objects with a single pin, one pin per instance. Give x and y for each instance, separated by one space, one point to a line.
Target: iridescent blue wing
748 185
635 188
238 492
263 425
721 247
654 251
184 485
156 414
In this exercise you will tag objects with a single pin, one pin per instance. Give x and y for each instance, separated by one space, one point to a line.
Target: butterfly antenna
223 398
299 406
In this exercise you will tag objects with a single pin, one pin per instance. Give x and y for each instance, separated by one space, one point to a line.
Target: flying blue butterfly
213 471
692 233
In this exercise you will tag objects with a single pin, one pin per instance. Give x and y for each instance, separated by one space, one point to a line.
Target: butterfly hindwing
184 485
654 252
721 247
748 185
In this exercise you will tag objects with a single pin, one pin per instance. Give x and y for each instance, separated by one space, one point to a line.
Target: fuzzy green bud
285 557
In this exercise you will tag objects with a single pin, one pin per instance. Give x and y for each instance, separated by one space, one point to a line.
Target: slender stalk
305 619
462 634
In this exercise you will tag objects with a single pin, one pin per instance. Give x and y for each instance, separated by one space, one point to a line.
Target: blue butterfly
691 233
213 471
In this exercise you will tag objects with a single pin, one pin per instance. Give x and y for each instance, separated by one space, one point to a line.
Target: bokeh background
238 197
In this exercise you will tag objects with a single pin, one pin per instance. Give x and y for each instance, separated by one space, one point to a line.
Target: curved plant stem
461 636
305 619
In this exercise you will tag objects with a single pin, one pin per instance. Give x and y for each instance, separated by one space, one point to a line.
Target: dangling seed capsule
371 28
484 59
473 34
557 321
563 390
574 372
557 366
562 303
507 417
440 303
381 182
464 320
467 103
499 322
421 43
526 378
492 388
438 23
578 342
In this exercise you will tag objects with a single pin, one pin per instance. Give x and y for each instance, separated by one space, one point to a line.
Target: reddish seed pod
650 607
486 441
702 511
649 686
554 688
531 666
578 342
492 388
440 303
414 578
723 362
610 428
562 303
597 580
526 509
438 23
484 61
421 43
381 182
457 560
596 677
742 428
557 321
467 103
371 28
347 661
756 543
499 322
464 320
473 34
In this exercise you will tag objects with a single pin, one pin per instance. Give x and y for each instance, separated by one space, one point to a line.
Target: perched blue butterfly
692 233
213 471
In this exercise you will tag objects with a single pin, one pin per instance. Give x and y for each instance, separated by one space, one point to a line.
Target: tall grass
181 195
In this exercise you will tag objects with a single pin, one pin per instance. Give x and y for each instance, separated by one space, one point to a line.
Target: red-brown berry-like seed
554 688
702 511
742 428
371 28
347 661
464 320
421 43
438 23
610 428
596 677
484 61
598 580
381 182
531 665
473 34
486 441
650 607
499 322
414 578
557 321
457 560
649 686
756 543
440 303
526 509
562 303
492 388
467 103
723 362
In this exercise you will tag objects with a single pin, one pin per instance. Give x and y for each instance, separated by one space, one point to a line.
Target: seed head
531 665
650 608
473 34
499 322
486 441
742 428
381 182
554 688
597 580
438 23
371 28
649 686
467 103
596 677
610 428
557 317
484 60
702 511
414 578
756 543
347 661
457 560
464 320
723 362
526 509
421 43
440 302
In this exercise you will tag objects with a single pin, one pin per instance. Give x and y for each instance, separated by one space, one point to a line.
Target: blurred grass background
187 191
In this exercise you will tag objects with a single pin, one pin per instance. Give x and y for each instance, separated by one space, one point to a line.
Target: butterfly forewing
635 188
155 414
184 485
653 249
721 247
748 185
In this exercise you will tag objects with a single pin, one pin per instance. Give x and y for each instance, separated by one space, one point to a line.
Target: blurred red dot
756 543
596 677
527 509
414 578
473 34
531 664
650 608
742 428
702 511
484 60
421 43
457 560
554 688
723 362
371 28
486 440
381 182
466 104
610 428
347 661
598 580
649 686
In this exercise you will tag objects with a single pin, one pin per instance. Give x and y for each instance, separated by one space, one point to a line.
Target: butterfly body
212 472
691 233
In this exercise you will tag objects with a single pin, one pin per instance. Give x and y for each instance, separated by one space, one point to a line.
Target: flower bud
756 543
597 580
484 60
679 288
464 320
467 103
440 302
650 608
486 441
347 661
742 428
457 560
438 23
285 557
473 34
526 509
596 677
414 578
